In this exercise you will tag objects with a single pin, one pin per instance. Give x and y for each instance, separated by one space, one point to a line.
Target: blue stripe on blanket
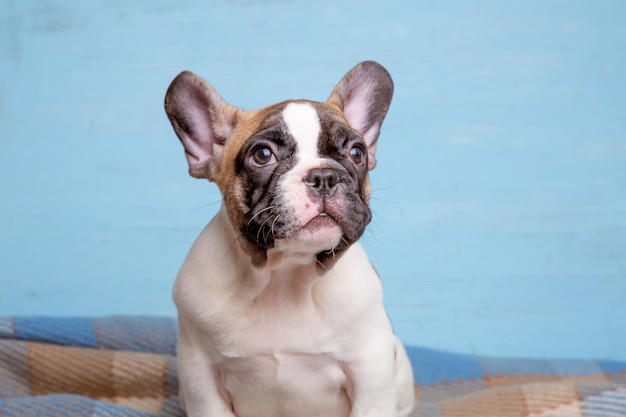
432 366
141 334
71 331
612 367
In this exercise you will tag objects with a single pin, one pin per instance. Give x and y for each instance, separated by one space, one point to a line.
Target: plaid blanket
125 366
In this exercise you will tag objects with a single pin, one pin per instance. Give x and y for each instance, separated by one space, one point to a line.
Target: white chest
285 384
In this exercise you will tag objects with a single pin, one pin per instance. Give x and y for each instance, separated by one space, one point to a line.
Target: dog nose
322 182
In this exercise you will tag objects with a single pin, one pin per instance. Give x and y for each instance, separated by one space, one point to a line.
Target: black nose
322 182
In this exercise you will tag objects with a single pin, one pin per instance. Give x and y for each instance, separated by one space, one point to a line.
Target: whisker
270 231
209 205
385 187
231 246
321 264
274 223
261 229
367 243
259 212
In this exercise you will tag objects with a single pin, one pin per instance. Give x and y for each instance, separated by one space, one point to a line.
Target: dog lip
323 217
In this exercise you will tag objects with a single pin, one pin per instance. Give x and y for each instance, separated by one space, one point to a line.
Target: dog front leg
373 388
199 393
404 381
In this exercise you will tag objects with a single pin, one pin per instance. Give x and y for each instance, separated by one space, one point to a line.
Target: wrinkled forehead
302 123
308 125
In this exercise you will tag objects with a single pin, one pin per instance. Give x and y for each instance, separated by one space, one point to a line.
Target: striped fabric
125 366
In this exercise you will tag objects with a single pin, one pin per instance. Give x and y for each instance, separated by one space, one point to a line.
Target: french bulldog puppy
280 311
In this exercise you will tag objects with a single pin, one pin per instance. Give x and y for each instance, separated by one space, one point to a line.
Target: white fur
303 124
283 340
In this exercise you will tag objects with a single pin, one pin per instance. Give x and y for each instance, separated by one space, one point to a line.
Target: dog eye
356 155
262 156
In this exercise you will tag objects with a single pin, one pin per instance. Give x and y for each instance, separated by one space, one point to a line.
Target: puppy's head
293 174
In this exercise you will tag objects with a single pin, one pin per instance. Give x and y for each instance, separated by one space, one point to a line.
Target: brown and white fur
280 311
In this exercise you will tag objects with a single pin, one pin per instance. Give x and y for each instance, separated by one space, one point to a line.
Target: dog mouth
272 225
322 220
322 232
313 226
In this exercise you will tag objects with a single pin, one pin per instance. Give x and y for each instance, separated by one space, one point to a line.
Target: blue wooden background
500 193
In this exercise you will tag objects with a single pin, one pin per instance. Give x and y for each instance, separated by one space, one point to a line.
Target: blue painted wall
500 193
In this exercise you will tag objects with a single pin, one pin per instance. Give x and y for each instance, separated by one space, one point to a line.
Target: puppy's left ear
364 95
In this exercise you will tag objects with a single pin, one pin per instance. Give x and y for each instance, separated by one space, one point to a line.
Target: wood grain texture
499 195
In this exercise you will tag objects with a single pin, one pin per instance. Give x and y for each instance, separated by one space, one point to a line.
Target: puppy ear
202 120
364 95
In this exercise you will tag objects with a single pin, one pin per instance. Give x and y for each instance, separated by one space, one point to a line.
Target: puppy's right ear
202 120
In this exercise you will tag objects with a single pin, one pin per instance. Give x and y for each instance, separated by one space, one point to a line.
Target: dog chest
285 384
